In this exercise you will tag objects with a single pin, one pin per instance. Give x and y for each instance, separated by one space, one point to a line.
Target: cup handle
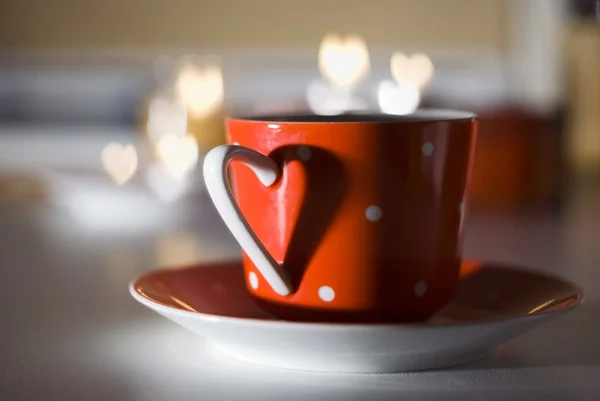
215 177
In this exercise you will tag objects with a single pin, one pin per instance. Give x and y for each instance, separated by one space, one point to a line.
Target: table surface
70 330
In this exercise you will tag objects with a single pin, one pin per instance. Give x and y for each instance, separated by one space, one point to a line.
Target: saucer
494 303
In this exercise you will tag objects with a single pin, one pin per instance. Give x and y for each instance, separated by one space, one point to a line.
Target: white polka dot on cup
253 279
326 293
373 213
304 153
427 149
420 288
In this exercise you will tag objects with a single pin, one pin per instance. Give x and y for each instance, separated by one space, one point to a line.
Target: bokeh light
199 85
343 60
119 161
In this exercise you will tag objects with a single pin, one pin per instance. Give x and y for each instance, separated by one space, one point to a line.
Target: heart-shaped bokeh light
343 61
398 99
324 99
416 69
119 161
167 187
166 116
179 154
199 85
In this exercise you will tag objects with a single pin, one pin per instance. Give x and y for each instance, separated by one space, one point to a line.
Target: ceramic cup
347 218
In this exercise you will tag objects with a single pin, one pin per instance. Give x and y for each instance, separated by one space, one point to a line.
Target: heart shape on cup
398 99
416 69
179 154
282 190
166 117
120 162
199 85
343 61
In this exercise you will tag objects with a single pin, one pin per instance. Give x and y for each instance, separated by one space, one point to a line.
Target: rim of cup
421 115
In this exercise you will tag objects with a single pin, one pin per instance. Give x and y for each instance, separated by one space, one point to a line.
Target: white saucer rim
287 324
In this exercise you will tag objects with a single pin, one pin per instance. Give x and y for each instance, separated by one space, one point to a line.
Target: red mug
349 218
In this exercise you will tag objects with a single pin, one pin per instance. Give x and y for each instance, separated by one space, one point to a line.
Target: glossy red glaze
218 289
319 220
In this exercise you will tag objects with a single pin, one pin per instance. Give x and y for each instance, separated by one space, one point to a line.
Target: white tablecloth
70 330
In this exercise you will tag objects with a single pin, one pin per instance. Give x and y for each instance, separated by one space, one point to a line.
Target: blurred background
107 108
